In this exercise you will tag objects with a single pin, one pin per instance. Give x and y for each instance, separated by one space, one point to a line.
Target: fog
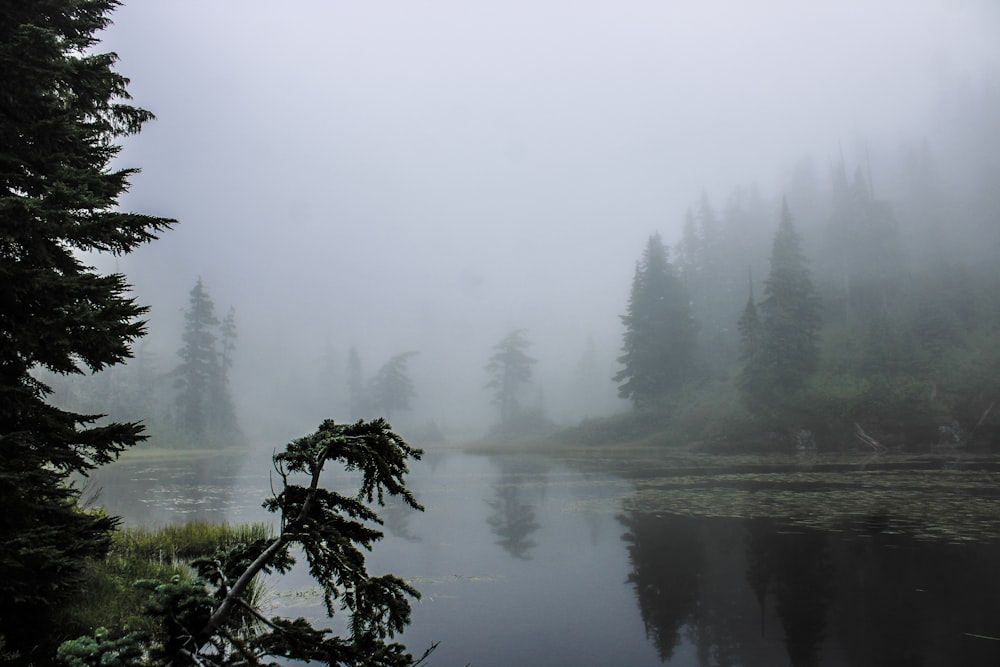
431 175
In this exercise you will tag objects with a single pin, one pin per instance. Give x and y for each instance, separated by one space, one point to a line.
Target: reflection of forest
513 518
752 593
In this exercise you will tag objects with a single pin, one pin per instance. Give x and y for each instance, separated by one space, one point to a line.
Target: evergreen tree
863 247
391 388
62 110
200 368
712 294
790 316
750 378
204 403
689 251
211 620
659 331
228 332
510 369
711 244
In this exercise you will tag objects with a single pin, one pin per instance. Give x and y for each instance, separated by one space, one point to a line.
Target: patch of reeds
111 598
184 542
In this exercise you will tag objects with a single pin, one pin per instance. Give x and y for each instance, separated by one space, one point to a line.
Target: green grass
149 452
111 599
184 542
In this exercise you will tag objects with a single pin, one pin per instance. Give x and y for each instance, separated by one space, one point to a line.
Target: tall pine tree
62 110
750 380
659 336
790 315
510 369
391 388
199 367
204 404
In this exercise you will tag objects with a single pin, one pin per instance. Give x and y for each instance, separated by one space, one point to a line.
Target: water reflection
531 562
793 569
667 560
396 517
512 519
754 592
213 488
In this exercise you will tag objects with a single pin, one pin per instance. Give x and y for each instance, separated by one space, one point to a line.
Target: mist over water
684 316
430 176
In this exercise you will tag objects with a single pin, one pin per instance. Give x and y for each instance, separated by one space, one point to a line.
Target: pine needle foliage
62 110
510 369
659 340
790 314
209 620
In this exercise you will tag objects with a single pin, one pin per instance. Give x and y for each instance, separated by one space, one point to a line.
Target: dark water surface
525 561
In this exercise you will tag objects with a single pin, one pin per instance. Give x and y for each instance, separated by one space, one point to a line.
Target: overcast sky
388 173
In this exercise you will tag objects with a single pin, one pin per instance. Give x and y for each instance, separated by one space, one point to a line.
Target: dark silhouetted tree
667 558
62 110
211 620
510 369
659 331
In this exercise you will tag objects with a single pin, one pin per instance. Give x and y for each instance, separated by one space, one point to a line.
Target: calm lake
523 560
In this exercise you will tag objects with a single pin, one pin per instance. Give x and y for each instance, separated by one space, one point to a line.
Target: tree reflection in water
513 518
667 560
794 567
756 593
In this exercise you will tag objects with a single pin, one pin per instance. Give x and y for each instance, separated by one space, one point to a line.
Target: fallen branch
869 440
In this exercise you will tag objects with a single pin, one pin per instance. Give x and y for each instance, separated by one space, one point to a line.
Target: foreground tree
510 370
62 109
210 621
659 330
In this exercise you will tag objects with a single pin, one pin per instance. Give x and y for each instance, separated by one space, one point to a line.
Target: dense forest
867 318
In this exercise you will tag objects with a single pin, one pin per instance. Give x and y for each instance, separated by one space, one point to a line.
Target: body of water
527 561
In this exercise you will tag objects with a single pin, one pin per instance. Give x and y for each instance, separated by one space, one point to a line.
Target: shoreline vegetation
112 595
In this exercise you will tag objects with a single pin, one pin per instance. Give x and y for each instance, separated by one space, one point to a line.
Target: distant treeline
833 316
